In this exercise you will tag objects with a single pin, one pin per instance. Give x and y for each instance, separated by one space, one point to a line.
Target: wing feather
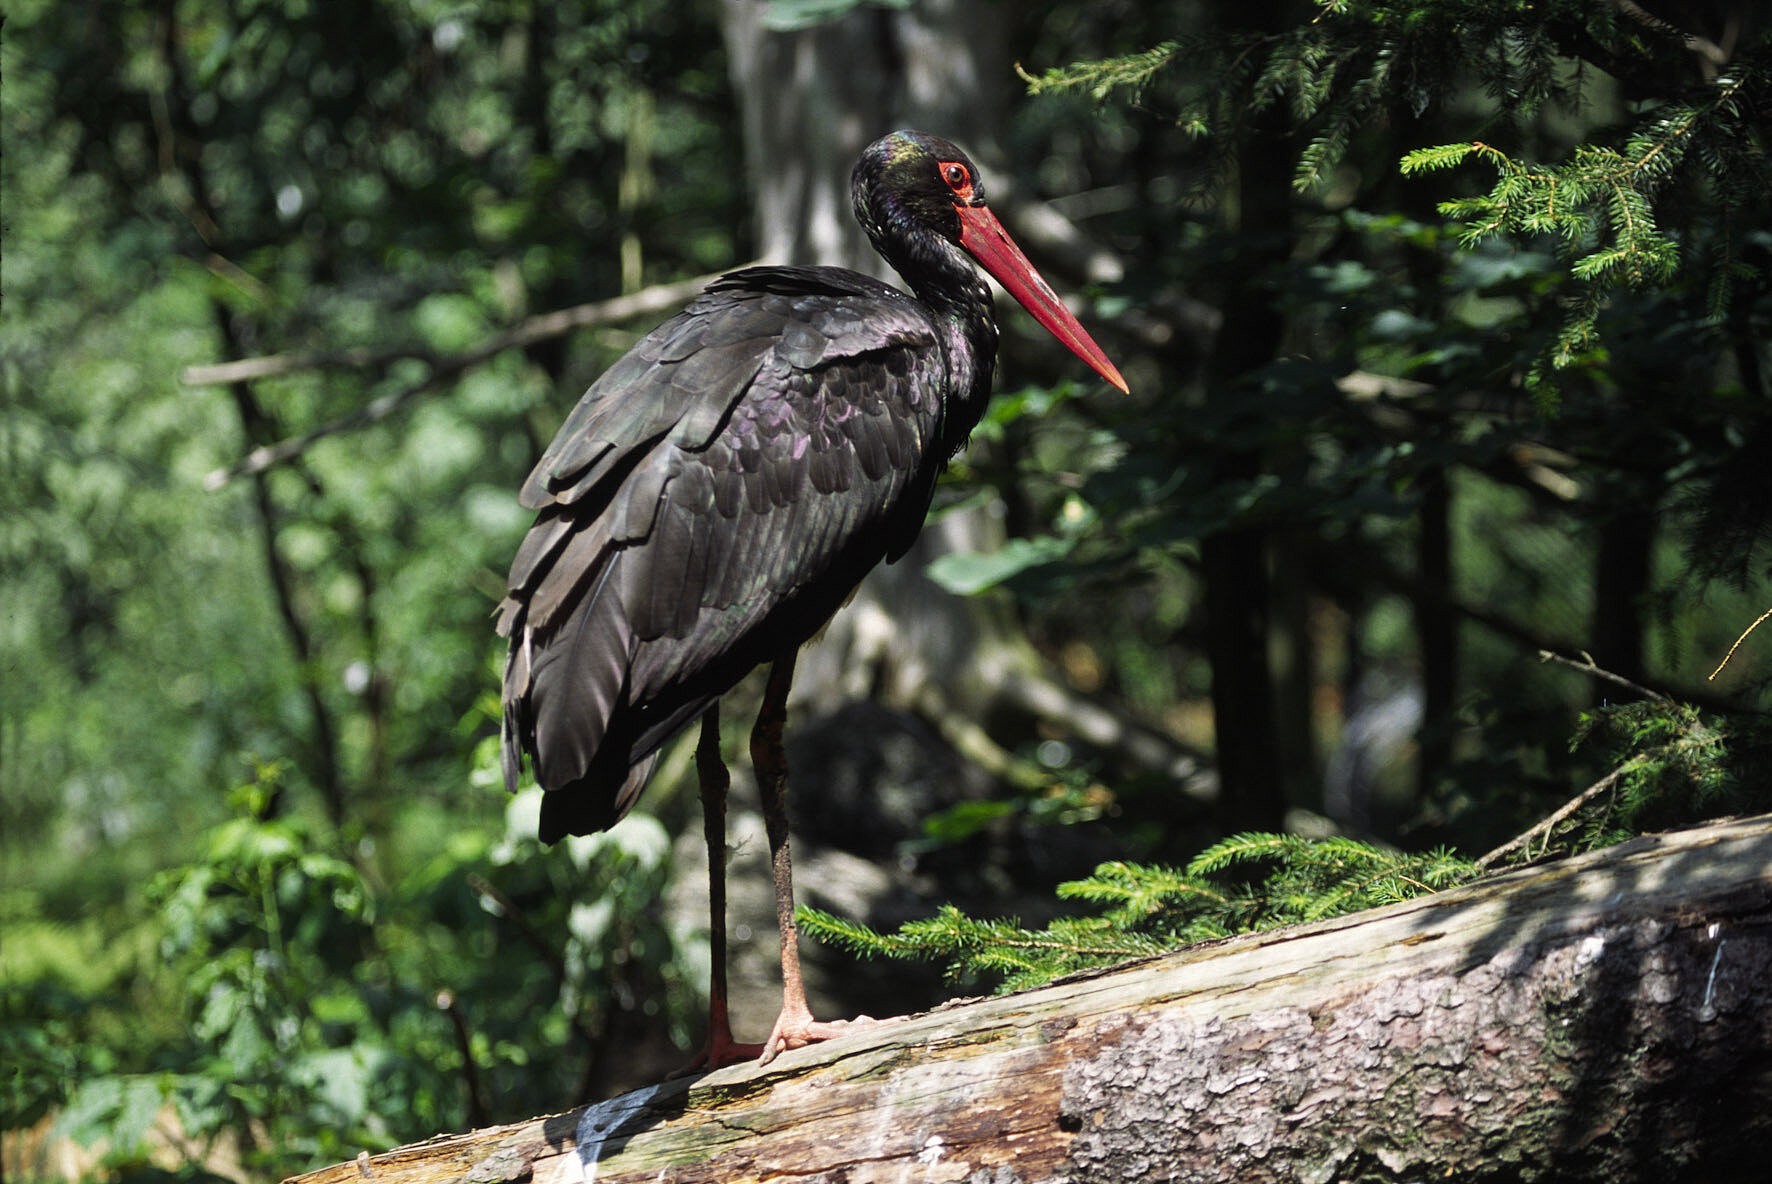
707 505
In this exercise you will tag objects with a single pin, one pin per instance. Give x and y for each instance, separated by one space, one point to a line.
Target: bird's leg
721 1048
795 1027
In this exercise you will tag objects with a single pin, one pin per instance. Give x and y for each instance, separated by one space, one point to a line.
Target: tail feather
565 692
588 808
579 674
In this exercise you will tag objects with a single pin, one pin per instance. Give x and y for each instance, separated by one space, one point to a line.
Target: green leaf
970 573
789 16
118 1111
450 322
340 1078
965 819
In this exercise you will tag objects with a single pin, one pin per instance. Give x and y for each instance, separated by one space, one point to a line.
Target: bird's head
904 178
921 201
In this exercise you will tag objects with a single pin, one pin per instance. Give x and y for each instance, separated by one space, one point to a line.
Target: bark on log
1604 1018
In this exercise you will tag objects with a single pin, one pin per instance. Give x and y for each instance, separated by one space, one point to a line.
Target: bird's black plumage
718 493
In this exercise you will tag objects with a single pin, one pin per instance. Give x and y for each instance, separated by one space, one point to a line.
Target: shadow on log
1607 1018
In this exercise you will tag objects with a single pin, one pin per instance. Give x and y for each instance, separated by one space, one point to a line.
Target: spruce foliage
1244 883
1623 213
1671 765
1674 763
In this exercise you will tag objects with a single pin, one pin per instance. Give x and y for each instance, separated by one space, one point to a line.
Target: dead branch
444 368
1587 665
1555 819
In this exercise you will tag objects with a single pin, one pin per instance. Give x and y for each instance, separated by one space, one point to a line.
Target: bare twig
1543 829
444 368
1587 666
1713 54
273 365
269 456
655 299
1726 657
513 913
477 1108
183 171
1529 638
1555 820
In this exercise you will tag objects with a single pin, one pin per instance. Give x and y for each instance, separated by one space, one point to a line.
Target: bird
718 493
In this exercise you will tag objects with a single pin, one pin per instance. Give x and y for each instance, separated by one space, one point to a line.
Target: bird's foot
719 1052
795 1028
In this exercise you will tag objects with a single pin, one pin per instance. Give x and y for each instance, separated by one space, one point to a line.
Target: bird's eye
958 178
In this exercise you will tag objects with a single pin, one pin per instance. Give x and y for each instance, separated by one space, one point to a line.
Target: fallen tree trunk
1606 1018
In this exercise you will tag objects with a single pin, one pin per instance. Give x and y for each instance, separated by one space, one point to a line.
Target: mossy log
1607 1018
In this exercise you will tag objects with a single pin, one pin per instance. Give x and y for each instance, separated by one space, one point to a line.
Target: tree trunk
1605 1018
1245 730
811 99
1622 575
1234 561
1436 630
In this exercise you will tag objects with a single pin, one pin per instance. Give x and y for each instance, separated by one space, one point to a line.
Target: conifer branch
1545 826
1146 910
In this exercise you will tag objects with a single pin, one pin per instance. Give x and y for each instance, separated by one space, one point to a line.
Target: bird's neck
969 330
956 293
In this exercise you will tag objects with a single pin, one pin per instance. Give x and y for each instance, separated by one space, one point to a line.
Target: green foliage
384 184
1675 767
318 1010
1598 205
265 939
1672 765
41 1053
967 573
1020 957
1144 910
1691 146
394 185
294 180
1102 78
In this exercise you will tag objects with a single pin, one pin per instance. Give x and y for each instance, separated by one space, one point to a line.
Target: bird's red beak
986 240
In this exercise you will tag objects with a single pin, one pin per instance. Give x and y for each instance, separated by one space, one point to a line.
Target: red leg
720 1049
795 1027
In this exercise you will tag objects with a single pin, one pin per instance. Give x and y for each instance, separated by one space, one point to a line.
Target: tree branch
277 365
444 367
1555 819
1587 666
190 189
464 1043
1708 51
512 912
1525 636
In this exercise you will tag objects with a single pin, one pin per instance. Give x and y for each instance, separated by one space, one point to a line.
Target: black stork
720 491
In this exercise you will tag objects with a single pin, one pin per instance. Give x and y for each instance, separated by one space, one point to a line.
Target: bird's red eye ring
958 178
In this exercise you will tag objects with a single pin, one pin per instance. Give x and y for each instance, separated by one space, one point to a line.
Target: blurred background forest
295 294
